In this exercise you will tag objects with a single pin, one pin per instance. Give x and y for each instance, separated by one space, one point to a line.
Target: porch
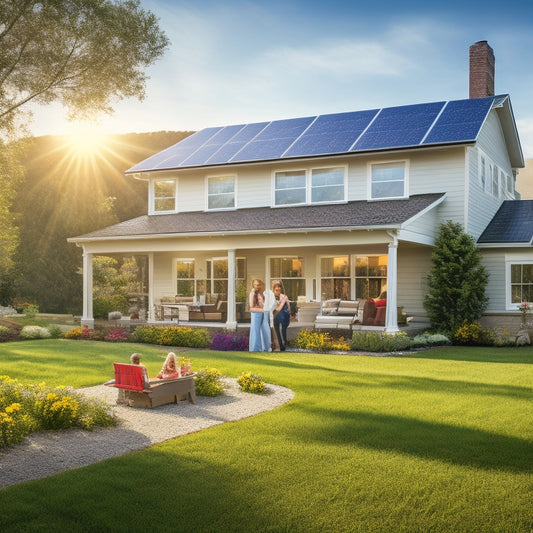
203 282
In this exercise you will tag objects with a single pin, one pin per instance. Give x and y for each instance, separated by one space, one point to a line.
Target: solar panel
399 126
331 134
200 156
173 156
227 151
394 127
461 120
273 140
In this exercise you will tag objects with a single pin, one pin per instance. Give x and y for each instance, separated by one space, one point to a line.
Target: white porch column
87 318
391 315
151 310
231 319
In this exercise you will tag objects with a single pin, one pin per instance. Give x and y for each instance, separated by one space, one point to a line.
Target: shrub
320 342
147 334
395 342
30 310
251 383
84 333
34 332
103 305
7 334
367 341
427 339
473 334
14 425
26 408
56 412
172 336
55 332
229 342
374 341
503 338
208 382
117 335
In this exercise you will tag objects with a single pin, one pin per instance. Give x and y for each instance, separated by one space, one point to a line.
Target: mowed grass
441 440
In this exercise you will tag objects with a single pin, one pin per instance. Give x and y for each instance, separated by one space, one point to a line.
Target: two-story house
336 206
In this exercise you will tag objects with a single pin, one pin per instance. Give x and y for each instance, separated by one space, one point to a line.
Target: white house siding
482 204
414 263
494 261
441 170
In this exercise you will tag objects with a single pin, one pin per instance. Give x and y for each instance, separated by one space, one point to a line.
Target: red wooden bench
129 378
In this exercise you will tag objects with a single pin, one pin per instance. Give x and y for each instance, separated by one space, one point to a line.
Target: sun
85 140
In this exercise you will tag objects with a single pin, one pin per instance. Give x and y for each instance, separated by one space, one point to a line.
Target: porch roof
350 215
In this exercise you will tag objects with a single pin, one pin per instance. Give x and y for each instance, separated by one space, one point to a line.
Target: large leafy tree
456 281
85 54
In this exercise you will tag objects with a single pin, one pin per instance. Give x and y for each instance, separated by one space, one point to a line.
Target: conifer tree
456 281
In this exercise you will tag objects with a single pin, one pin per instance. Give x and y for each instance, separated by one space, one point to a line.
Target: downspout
391 314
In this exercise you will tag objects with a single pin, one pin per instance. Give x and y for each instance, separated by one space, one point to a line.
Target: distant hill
68 193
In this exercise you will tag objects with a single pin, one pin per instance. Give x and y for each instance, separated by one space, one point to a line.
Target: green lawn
437 441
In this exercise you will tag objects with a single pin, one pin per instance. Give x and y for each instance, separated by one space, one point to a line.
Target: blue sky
239 61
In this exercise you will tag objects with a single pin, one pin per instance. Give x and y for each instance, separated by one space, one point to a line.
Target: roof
358 214
418 125
511 225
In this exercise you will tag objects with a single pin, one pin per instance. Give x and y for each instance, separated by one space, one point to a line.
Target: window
521 283
370 275
220 192
483 173
164 195
335 279
290 187
327 184
510 187
185 280
217 273
495 182
289 270
309 186
388 180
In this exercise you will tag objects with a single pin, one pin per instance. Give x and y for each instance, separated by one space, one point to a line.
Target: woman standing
260 323
282 315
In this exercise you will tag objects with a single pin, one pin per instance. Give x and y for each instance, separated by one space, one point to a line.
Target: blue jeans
260 332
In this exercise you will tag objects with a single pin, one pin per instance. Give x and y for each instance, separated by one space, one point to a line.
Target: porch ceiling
350 215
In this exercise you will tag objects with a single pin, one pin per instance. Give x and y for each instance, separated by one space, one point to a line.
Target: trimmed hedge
172 336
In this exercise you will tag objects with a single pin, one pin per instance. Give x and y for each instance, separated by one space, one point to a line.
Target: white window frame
308 173
288 256
495 180
512 306
207 195
175 272
482 174
151 197
372 164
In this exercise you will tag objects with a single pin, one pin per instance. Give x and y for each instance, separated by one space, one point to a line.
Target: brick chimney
481 70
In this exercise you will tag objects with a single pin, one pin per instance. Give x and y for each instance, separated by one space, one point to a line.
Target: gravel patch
43 454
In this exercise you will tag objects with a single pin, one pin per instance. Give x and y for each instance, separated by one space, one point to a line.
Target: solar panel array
338 133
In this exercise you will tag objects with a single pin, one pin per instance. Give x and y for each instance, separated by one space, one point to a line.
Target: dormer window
220 192
164 196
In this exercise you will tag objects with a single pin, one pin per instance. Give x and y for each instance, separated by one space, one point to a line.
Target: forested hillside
69 192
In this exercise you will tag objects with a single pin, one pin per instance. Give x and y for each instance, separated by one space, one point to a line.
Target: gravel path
45 453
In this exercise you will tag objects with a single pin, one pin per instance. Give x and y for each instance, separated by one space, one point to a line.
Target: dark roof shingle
349 215
512 224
